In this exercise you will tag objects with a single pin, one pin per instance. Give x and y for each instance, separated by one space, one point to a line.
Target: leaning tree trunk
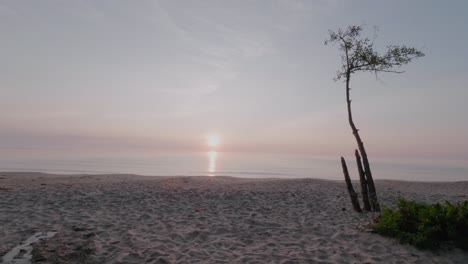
364 185
372 192
352 193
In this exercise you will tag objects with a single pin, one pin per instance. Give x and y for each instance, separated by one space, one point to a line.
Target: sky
165 74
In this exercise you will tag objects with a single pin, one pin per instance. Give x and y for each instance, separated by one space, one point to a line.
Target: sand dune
133 219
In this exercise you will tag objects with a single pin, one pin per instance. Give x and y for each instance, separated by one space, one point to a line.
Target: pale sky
164 74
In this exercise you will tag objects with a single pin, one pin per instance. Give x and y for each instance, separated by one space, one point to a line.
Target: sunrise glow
212 162
213 140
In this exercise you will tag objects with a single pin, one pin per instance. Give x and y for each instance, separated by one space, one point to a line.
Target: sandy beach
136 219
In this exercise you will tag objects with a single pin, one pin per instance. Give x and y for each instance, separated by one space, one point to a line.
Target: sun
213 140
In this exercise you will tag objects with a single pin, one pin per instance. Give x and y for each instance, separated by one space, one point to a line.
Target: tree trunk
362 178
370 181
352 193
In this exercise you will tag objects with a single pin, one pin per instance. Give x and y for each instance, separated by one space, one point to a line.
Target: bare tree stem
352 193
370 181
364 184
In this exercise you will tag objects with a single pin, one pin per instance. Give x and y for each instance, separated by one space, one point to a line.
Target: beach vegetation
424 225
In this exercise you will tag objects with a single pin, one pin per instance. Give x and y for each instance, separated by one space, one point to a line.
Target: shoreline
133 175
182 219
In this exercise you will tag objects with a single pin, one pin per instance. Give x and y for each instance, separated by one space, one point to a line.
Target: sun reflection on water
212 163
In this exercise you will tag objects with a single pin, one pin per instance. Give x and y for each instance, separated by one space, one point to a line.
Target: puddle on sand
22 253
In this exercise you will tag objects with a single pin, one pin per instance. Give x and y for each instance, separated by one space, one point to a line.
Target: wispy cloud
214 48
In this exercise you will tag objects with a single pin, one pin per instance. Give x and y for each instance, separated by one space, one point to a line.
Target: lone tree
358 55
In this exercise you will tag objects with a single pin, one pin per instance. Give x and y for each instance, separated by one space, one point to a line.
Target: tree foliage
359 54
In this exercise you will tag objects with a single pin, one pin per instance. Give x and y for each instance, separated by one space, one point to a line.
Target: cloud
210 48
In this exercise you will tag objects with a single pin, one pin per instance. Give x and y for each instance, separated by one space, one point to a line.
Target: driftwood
352 193
364 184
374 202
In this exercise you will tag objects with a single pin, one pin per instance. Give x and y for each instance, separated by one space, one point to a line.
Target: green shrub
425 226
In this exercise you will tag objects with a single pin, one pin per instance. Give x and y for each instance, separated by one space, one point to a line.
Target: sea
215 163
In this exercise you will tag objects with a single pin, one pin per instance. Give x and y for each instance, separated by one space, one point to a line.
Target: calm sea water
218 163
